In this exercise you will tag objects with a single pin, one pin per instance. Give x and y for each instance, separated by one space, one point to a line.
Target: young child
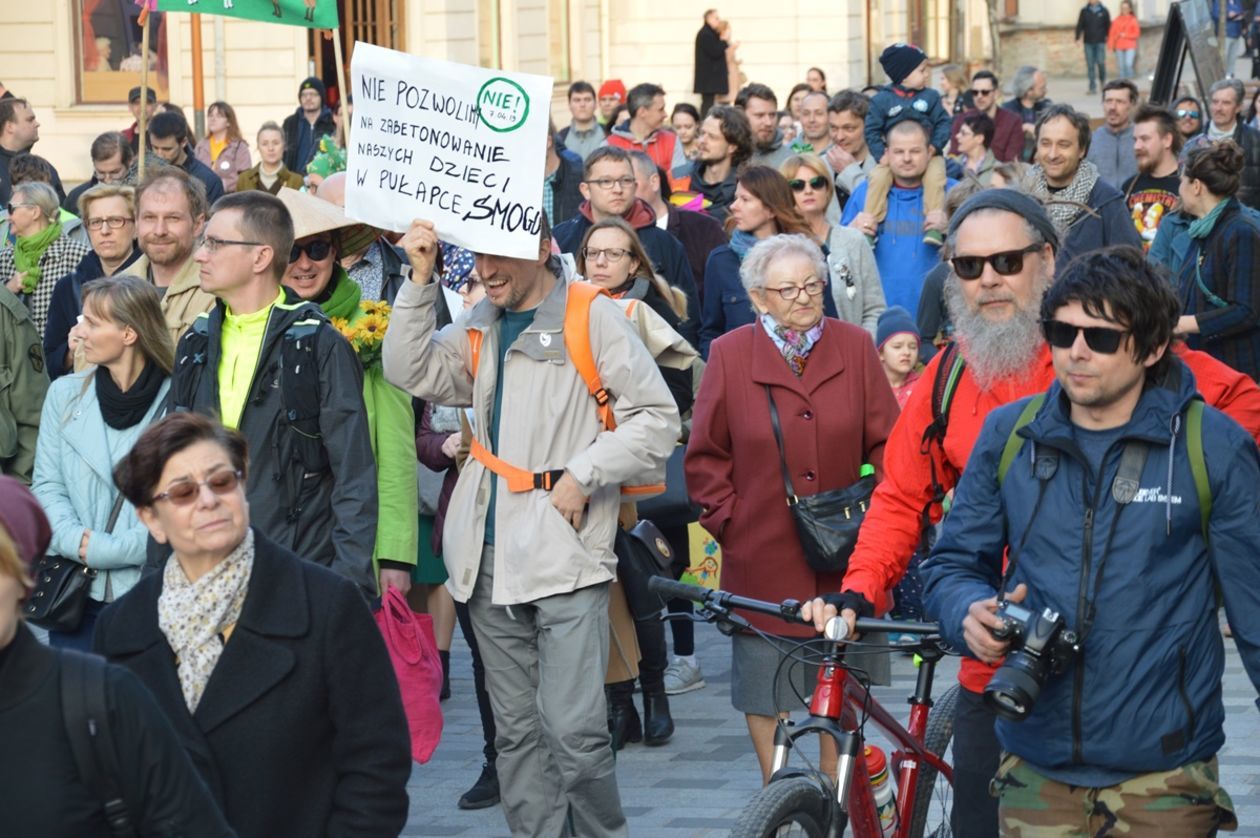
908 97
897 340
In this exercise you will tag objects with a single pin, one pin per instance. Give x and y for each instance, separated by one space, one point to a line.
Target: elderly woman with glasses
42 253
835 409
854 286
269 666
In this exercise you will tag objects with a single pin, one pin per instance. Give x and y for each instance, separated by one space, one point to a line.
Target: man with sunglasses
1102 515
1002 243
1008 131
1189 114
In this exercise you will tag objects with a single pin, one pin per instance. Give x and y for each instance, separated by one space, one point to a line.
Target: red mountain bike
805 802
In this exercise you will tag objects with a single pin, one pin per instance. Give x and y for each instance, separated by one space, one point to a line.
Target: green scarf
27 252
1201 228
343 302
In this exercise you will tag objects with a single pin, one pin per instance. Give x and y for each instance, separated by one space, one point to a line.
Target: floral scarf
795 346
193 615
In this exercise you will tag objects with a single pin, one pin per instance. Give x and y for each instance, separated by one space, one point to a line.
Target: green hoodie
392 423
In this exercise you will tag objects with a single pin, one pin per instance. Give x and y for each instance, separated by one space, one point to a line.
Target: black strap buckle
547 480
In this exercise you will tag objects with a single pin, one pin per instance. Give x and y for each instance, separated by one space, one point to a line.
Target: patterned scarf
795 346
193 615
1065 205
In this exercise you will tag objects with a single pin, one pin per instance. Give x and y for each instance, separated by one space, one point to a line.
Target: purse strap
113 513
778 441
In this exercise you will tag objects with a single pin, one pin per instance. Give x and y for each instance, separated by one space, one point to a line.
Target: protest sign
313 14
461 146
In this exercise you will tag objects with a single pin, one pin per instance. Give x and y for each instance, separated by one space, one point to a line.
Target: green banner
313 14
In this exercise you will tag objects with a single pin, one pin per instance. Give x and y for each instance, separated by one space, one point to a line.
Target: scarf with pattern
1067 204
795 346
193 615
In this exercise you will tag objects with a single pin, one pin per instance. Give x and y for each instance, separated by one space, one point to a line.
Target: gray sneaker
683 677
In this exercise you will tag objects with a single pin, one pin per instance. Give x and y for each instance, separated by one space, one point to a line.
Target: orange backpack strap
518 479
474 344
577 340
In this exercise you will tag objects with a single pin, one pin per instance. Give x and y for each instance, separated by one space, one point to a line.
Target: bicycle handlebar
788 610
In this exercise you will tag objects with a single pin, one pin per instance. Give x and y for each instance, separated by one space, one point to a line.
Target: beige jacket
553 425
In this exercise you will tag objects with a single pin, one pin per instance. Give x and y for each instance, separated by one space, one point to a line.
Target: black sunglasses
316 251
981 92
816 182
1182 113
1062 335
1006 263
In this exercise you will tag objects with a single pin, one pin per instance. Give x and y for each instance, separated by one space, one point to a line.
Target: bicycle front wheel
795 807
933 794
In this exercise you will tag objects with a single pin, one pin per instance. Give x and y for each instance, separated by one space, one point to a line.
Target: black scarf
124 410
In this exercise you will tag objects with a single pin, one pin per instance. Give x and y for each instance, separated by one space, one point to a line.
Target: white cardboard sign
461 146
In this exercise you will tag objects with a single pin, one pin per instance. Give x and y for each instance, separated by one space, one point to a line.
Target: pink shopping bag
414 653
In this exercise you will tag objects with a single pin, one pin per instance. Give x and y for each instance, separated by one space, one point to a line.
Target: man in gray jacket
531 522
1111 148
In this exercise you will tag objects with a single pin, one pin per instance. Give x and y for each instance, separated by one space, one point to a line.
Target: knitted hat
314 84
1014 202
23 519
613 87
894 321
900 60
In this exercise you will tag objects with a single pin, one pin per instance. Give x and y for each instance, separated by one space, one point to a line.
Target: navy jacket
67 304
566 197
1152 663
726 303
1113 225
203 173
894 103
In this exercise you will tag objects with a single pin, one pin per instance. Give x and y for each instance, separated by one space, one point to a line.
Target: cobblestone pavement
696 784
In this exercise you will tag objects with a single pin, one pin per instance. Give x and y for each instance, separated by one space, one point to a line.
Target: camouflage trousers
1187 802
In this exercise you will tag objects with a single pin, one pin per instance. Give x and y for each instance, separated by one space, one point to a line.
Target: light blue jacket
74 463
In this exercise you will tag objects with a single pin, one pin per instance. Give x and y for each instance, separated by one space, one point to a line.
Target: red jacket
835 417
1125 33
890 533
1008 135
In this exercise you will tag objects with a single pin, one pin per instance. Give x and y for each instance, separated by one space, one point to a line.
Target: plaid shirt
61 258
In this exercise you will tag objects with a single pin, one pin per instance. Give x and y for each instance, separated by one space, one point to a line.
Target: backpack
577 342
86 716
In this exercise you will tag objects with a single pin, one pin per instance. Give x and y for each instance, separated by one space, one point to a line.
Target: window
108 45
489 49
558 40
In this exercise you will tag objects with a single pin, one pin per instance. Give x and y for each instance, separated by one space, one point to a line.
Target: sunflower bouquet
366 332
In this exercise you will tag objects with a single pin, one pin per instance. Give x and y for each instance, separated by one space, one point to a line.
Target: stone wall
1055 50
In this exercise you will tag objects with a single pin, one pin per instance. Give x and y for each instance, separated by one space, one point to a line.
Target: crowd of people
238 416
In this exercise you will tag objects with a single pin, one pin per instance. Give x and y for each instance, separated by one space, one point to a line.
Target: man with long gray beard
1001 245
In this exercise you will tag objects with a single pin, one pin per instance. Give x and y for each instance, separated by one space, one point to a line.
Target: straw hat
312 216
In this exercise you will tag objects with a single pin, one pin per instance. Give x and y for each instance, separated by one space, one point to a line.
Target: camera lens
1015 687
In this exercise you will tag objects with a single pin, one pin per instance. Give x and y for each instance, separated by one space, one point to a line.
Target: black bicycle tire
936 739
768 809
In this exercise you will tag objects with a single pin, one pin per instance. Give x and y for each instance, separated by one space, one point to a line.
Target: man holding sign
531 551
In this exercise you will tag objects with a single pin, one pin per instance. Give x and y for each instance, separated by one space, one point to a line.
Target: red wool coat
835 417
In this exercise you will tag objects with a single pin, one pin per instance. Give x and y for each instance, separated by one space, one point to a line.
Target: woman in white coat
89 422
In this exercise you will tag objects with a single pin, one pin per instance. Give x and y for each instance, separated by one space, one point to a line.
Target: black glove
851 600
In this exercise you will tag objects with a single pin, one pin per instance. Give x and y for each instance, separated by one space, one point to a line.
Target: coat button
810 475
807 415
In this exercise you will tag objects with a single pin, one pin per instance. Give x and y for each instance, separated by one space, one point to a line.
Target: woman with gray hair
41 254
816 381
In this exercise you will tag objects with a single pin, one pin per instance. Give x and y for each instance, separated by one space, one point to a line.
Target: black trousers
684 631
479 682
976 757
706 102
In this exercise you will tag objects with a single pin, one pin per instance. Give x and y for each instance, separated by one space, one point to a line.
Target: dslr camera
1041 645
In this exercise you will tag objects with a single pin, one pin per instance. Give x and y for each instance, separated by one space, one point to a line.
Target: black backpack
86 716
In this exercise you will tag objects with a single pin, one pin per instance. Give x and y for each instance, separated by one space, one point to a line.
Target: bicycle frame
837 704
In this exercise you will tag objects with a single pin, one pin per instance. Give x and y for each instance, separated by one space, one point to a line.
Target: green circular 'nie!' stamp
502 105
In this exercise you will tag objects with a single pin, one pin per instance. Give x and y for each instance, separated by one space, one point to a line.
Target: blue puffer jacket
1146 694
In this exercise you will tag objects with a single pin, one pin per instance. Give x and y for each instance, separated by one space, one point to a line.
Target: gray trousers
545 663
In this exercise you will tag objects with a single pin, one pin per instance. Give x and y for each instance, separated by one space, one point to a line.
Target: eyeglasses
212 244
612 254
109 177
982 91
113 222
12 207
316 251
813 288
186 491
1062 335
1183 113
1006 263
816 182
609 182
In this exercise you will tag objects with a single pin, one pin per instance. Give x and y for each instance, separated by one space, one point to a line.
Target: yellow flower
373 325
375 307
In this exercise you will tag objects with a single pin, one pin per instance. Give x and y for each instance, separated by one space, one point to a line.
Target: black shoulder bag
826 523
62 586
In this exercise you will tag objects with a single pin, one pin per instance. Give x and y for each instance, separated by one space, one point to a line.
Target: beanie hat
613 87
23 519
894 321
1014 202
314 84
900 60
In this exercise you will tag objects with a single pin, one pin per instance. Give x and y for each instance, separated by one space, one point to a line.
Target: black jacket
324 512
721 194
700 235
44 794
1248 140
300 730
324 126
1109 225
203 173
71 203
564 188
1094 23
711 73
6 184
67 304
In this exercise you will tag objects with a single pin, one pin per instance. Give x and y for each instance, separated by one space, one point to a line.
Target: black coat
700 235
711 73
44 794
564 187
292 128
1248 140
203 173
300 730
66 306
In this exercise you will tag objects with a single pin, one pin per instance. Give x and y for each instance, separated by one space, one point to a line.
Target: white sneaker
682 676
